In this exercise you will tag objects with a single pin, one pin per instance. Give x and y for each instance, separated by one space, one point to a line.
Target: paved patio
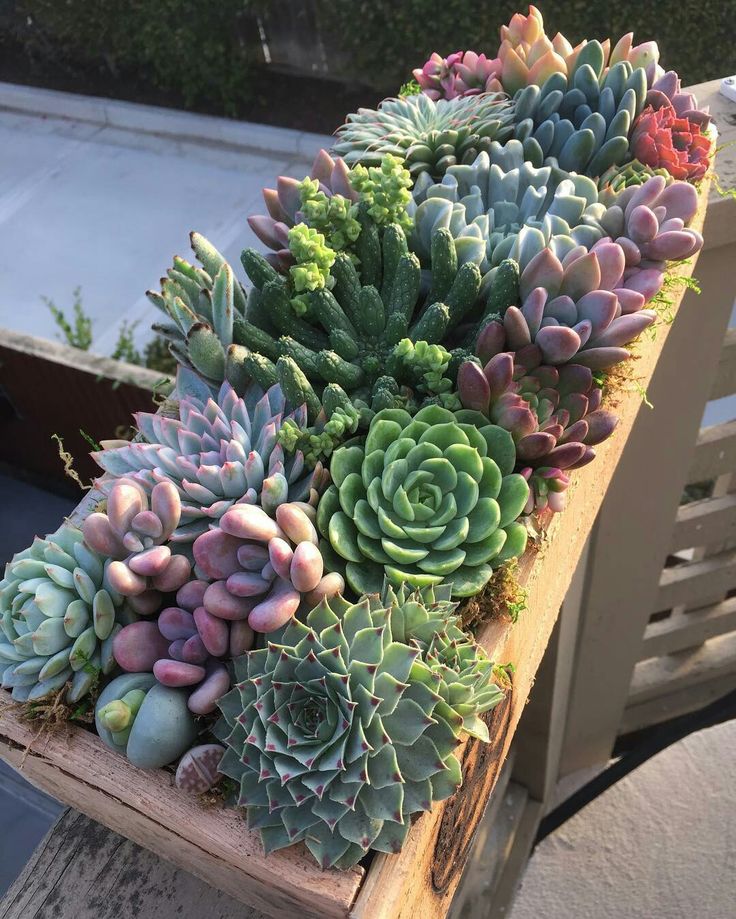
101 195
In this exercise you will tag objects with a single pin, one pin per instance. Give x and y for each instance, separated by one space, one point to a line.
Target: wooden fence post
633 533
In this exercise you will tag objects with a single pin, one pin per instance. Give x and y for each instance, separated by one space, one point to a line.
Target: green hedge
195 49
387 38
202 52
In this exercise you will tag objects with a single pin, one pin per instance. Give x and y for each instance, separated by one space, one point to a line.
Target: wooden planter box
48 388
215 844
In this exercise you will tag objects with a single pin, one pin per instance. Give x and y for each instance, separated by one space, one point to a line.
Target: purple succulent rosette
649 222
552 413
571 310
463 73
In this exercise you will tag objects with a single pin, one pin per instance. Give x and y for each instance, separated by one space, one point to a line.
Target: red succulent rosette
663 139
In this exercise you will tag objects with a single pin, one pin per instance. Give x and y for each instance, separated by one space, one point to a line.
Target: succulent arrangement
59 616
272 588
339 732
217 453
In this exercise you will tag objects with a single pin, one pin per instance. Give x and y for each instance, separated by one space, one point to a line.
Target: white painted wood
674 704
714 453
712 661
725 381
686 629
705 523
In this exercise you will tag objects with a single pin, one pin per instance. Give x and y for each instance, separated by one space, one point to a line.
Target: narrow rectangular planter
215 844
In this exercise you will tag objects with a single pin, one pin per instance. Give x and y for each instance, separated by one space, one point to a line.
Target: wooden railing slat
684 630
704 523
714 454
725 381
711 661
700 582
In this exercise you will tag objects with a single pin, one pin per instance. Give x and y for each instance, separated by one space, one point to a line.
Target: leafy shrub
206 53
198 50
383 39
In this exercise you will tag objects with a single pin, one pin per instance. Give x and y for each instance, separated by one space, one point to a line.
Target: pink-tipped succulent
186 647
670 133
464 73
552 413
576 310
667 90
136 537
649 222
262 568
284 205
527 55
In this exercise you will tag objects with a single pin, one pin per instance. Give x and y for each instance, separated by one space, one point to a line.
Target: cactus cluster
58 618
341 730
352 336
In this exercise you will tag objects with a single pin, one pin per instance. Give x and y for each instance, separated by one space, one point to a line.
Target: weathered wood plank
684 630
714 453
705 523
212 843
84 870
712 661
478 892
725 381
487 850
697 583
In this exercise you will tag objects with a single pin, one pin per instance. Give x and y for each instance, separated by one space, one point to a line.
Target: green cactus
425 500
345 726
366 329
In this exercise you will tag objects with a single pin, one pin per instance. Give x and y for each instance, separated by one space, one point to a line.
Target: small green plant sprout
76 332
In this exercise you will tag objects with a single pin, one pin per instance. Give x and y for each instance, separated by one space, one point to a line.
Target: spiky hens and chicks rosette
359 435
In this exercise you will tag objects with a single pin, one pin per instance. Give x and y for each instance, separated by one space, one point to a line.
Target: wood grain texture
421 881
84 870
213 843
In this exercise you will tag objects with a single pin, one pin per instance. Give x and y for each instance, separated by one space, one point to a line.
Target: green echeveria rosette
58 618
428 618
339 732
425 500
